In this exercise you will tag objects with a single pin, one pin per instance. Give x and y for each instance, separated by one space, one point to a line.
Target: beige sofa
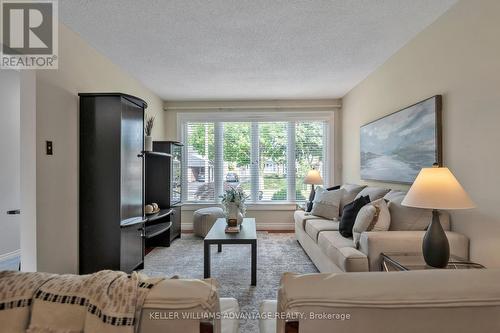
431 301
172 300
331 252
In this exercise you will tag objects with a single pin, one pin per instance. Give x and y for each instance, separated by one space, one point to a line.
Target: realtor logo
29 36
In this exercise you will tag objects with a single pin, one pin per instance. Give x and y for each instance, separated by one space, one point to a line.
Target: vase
148 143
233 213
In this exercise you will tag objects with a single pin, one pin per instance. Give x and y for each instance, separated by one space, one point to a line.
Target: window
268 159
200 162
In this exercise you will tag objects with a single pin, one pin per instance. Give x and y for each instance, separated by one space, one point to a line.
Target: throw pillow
349 215
374 216
309 204
326 203
373 192
364 219
382 220
351 190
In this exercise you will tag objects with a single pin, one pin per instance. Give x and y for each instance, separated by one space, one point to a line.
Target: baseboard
188 227
10 255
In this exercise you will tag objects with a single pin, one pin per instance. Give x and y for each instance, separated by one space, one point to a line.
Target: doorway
10 169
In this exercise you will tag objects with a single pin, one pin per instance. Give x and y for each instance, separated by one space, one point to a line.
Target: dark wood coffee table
217 235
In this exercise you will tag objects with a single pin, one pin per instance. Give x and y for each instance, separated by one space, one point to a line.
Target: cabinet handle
140 155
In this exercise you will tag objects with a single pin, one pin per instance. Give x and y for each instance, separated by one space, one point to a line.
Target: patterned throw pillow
373 217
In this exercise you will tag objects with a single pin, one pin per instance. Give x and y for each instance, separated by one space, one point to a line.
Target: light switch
48 148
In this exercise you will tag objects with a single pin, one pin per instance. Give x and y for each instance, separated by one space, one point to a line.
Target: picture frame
395 147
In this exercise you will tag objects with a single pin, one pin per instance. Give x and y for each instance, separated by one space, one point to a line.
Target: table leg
206 260
219 247
254 263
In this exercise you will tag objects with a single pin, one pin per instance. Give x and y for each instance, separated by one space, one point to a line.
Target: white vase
233 212
148 143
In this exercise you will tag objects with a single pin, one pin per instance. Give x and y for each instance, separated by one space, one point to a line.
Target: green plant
281 195
234 196
148 127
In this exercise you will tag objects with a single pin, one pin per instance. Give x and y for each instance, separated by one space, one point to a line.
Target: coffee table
217 235
415 261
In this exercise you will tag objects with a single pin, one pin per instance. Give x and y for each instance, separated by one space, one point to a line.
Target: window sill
260 206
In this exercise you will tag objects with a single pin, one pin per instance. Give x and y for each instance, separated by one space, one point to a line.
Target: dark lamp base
435 246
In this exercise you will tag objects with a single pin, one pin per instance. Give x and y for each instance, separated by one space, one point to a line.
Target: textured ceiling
249 49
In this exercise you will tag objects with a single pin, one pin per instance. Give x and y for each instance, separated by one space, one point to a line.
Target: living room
273 100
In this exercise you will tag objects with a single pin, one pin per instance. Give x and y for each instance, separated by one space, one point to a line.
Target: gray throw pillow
326 203
350 193
373 192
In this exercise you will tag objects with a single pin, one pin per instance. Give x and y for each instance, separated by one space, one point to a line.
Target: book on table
232 230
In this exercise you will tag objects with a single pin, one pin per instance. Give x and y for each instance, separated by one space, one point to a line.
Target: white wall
458 56
81 69
28 171
10 161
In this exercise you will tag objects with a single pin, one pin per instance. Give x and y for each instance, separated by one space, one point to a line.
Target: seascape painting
395 148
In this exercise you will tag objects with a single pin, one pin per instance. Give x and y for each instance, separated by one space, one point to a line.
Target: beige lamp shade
313 177
437 188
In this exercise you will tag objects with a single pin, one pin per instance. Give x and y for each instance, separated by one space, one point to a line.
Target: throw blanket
104 302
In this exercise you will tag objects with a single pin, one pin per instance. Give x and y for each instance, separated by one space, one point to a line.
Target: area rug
276 253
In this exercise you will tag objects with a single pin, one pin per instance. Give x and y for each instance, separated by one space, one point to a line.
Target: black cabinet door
132 143
175 218
131 247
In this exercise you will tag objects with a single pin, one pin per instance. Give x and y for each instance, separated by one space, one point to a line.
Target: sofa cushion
326 203
301 217
405 218
314 227
373 192
349 215
342 252
350 193
334 238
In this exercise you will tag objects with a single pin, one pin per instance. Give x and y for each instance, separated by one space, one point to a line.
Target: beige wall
81 69
458 56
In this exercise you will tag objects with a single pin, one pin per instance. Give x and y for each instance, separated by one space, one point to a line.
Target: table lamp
313 177
436 188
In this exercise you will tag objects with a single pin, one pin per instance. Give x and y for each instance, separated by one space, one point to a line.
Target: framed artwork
394 148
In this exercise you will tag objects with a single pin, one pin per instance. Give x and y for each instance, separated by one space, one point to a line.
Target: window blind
268 160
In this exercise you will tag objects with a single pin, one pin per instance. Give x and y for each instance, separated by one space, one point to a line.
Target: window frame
255 116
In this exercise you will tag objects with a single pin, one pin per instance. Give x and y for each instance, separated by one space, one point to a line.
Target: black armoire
111 171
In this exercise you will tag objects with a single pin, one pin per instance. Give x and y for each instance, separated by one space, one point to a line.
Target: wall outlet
48 148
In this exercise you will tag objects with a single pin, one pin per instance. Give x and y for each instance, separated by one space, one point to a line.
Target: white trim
254 115
291 148
219 160
255 104
10 255
181 130
255 162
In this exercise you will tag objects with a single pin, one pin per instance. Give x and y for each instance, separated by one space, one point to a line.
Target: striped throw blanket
104 302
